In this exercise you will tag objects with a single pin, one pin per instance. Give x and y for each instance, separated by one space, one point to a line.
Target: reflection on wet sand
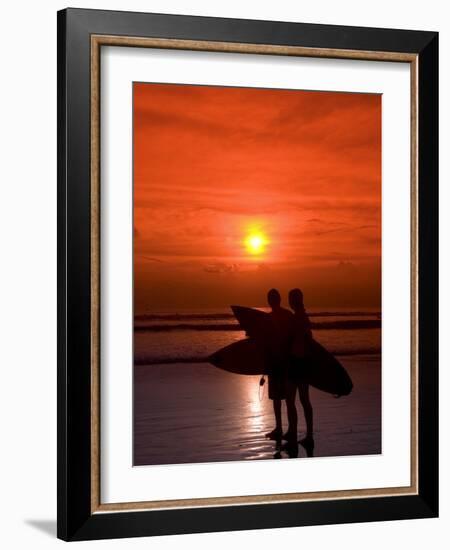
196 413
294 449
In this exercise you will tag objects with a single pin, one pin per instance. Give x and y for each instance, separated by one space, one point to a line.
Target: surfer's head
296 299
274 298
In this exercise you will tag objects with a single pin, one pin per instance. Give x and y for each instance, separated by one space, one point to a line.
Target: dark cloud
346 267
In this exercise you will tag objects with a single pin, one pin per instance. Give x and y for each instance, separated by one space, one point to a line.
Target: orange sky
213 165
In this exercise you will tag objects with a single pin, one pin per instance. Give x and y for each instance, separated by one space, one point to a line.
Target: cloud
345 229
164 121
221 267
150 259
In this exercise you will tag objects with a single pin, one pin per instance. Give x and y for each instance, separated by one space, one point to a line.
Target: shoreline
202 360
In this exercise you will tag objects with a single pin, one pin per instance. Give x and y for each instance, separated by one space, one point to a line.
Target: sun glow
255 243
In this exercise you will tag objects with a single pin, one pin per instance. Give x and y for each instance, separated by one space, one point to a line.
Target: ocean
191 336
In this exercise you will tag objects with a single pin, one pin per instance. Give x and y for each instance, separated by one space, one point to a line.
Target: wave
143 359
223 316
183 316
330 325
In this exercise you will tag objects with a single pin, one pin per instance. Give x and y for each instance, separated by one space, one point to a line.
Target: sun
255 243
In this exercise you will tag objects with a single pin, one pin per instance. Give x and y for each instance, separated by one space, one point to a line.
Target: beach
194 412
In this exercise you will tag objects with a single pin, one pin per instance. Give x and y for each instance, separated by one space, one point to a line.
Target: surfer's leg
303 390
277 432
277 411
291 390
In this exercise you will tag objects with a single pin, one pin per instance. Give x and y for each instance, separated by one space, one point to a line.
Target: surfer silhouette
299 350
278 347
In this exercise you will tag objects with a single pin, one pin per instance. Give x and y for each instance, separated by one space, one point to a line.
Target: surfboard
323 371
254 321
319 369
241 357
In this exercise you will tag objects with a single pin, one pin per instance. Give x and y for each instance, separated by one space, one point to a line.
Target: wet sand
187 413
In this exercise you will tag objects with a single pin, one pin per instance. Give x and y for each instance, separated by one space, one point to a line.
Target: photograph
247 273
257 265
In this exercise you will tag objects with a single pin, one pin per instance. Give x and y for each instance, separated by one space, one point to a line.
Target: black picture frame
76 521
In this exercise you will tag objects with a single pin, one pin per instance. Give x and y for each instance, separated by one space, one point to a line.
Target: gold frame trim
108 40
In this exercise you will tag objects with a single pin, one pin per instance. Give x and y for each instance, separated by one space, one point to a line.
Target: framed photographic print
247 256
